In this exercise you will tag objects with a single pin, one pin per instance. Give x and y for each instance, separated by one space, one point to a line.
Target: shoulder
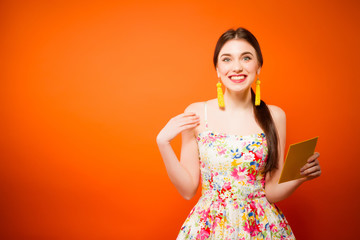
277 114
196 107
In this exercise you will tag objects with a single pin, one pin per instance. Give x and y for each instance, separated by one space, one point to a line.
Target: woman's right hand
176 125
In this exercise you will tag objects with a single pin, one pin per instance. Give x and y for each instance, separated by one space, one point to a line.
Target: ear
217 71
258 71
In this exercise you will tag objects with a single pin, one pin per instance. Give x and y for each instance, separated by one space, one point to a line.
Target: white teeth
237 77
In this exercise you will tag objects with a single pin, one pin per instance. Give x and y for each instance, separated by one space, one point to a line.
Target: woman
241 149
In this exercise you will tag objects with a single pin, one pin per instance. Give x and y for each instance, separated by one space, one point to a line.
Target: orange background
87 86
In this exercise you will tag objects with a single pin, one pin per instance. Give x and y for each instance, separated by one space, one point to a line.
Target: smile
237 78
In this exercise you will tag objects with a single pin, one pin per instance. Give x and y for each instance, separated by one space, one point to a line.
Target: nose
237 66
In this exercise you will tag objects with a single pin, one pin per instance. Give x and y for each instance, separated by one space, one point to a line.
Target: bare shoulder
198 109
277 114
195 107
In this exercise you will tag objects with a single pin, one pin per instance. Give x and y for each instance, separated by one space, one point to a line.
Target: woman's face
237 65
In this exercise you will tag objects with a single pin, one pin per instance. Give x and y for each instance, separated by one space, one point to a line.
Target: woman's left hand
312 168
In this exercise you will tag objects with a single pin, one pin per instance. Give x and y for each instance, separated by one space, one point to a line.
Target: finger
184 127
314 175
313 157
187 117
184 114
307 165
311 170
191 117
189 121
310 164
184 120
188 114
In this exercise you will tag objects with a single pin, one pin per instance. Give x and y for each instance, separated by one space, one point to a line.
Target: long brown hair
261 112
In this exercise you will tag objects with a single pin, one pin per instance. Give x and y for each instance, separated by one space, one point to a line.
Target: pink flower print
235 174
221 201
261 211
212 139
227 186
251 227
251 178
204 214
221 150
249 156
283 225
231 230
209 138
216 222
246 227
204 140
216 204
205 233
253 206
259 153
273 228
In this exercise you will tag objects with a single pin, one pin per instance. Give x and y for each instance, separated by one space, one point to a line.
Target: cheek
223 68
251 67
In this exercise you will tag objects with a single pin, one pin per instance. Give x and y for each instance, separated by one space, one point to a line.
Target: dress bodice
232 164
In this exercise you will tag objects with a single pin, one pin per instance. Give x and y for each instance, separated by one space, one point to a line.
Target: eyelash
225 59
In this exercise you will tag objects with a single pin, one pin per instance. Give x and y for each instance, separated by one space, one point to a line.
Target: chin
238 89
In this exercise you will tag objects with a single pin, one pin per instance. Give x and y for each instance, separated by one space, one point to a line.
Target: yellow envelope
296 158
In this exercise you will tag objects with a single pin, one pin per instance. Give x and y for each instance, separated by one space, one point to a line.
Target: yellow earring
257 92
220 95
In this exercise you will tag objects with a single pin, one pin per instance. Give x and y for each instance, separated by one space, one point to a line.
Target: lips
238 78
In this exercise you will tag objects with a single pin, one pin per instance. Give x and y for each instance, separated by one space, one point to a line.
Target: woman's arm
276 192
184 174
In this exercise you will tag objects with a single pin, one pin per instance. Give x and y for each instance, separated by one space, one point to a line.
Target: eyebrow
228 54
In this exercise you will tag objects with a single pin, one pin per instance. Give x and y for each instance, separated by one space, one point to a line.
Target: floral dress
233 203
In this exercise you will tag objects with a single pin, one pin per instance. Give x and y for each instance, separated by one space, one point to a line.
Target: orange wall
86 87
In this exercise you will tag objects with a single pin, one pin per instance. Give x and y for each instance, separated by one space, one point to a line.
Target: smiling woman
237 148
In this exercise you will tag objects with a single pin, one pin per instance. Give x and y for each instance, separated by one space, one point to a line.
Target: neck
238 101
